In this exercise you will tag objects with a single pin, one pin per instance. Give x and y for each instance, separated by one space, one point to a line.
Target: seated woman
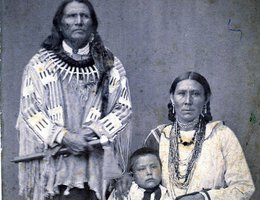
201 159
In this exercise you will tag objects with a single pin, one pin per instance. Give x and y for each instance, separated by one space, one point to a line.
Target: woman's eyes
196 93
183 93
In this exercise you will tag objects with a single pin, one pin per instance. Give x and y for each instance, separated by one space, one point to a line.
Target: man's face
147 171
76 24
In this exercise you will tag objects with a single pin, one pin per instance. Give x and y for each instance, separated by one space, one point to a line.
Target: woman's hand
76 143
196 196
122 186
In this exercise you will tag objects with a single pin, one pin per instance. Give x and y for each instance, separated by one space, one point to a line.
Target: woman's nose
188 99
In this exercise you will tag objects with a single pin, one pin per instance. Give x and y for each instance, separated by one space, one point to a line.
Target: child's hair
142 152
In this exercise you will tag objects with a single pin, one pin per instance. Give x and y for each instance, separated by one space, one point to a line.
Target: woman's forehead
189 85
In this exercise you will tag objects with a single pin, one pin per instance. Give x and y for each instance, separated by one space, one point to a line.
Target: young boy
145 167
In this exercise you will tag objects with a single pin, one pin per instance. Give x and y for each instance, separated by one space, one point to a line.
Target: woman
201 159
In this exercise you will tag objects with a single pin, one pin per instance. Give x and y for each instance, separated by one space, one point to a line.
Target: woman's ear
172 99
207 99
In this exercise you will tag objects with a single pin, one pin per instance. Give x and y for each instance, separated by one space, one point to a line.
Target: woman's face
188 99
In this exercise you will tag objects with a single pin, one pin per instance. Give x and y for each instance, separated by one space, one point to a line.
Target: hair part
207 92
54 40
142 152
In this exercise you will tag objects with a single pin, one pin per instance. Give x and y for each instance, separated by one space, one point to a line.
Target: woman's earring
204 110
173 109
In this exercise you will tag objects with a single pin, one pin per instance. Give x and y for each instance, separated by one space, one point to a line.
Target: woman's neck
188 126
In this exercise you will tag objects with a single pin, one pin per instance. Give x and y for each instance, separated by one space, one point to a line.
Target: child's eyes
140 169
144 169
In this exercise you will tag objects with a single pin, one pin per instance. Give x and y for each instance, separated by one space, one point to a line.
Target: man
74 91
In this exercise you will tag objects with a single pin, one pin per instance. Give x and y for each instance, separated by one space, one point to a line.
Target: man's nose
79 19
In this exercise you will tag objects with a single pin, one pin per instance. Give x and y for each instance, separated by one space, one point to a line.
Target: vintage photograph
130 100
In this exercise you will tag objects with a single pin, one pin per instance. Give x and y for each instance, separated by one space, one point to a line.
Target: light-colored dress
221 168
56 98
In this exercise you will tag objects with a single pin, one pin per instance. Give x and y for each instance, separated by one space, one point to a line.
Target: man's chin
80 41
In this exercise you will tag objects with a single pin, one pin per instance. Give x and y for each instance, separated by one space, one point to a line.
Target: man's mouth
79 30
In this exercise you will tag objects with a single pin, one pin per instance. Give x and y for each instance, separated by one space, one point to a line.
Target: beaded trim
174 159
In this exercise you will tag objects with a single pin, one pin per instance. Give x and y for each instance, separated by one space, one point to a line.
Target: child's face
147 171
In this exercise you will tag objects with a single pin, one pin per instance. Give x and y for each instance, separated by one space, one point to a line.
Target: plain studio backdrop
156 40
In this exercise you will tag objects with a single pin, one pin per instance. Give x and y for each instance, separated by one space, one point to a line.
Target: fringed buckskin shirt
221 168
56 98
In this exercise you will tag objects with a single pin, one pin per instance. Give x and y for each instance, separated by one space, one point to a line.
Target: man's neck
76 45
81 51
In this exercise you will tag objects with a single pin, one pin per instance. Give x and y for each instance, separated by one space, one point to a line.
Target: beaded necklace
67 67
188 125
185 143
174 158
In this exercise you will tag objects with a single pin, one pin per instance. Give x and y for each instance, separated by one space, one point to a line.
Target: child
145 166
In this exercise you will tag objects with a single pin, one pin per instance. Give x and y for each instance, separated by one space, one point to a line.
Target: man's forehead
76 7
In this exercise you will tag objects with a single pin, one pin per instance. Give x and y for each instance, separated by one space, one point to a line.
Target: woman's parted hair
53 41
207 92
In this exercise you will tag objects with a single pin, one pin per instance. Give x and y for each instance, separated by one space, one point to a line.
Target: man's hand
76 143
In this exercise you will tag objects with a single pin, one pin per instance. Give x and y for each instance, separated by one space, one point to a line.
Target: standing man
74 91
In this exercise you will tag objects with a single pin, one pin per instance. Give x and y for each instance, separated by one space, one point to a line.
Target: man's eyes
181 93
75 15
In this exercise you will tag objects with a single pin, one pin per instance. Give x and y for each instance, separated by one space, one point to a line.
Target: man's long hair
54 40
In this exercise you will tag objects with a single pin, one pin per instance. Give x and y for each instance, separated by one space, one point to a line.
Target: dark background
156 40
